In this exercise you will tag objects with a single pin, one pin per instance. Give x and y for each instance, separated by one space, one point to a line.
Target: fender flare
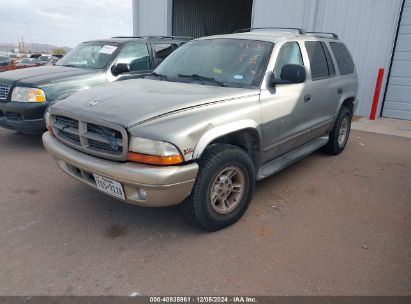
222 130
347 95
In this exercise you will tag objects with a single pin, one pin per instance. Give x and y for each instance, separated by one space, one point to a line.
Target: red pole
376 94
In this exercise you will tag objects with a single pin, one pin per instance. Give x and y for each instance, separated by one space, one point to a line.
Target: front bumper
23 117
164 186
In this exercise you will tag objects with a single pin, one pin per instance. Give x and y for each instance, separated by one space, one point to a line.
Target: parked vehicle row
9 62
27 63
215 116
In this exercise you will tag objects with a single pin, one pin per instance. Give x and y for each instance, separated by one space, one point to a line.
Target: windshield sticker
251 45
108 49
217 71
239 77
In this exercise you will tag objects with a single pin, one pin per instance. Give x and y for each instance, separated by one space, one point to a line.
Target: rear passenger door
322 88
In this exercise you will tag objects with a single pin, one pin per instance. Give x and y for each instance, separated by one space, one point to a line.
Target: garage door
398 99
197 18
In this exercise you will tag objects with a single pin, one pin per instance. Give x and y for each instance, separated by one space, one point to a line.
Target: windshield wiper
199 77
69 65
162 76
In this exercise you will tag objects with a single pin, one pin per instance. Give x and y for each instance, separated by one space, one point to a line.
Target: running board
290 158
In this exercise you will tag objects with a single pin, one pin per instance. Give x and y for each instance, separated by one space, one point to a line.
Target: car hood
43 74
133 102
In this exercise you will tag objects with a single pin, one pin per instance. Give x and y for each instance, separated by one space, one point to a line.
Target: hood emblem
93 103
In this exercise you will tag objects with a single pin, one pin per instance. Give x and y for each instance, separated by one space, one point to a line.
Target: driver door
285 110
137 56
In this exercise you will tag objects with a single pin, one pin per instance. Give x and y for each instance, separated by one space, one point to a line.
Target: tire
336 144
217 163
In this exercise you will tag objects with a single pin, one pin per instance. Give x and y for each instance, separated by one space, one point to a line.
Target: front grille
67 121
107 141
69 136
4 91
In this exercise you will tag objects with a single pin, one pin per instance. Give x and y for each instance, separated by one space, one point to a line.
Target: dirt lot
326 226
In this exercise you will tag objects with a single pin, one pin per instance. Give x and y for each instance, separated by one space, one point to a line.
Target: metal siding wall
279 13
398 100
366 26
152 17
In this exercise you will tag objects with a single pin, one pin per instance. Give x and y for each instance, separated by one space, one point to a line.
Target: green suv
26 94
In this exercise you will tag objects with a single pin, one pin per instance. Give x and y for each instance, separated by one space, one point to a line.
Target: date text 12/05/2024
200 299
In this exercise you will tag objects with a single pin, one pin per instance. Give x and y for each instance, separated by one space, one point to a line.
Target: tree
58 51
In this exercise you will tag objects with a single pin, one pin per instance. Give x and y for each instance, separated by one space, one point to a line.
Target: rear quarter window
343 57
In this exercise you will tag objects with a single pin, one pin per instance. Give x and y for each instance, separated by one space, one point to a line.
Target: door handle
339 90
307 98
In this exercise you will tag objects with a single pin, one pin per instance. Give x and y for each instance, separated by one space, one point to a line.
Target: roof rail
169 37
299 30
334 35
160 37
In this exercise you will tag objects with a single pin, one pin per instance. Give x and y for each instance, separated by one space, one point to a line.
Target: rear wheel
223 188
340 132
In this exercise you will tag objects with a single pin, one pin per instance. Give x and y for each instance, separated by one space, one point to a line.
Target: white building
377 32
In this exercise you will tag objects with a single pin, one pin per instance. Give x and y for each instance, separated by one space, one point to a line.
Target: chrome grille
97 138
4 91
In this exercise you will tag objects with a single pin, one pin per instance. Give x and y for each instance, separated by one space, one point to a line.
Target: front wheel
223 188
340 132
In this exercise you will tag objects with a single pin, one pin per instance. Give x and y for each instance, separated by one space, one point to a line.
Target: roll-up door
398 98
197 18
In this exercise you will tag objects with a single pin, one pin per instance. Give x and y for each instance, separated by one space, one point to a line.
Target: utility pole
31 39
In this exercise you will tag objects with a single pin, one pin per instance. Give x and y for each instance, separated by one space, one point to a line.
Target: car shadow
118 219
15 140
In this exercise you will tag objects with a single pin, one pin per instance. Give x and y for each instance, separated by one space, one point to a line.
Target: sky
64 22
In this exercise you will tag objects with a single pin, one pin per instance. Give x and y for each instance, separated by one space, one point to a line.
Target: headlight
22 94
154 152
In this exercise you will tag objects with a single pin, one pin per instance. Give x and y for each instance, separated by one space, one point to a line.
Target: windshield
4 59
90 55
228 62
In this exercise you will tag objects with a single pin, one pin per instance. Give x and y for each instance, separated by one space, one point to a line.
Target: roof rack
334 35
299 30
160 37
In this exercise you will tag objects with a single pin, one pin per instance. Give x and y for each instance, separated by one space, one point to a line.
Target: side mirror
120 68
157 62
293 73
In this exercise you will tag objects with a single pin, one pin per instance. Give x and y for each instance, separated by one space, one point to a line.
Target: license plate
109 186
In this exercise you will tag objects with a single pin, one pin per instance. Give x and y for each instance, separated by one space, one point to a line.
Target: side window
330 62
343 57
289 53
318 60
162 50
136 55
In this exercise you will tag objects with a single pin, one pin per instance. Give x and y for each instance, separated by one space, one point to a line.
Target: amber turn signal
50 130
155 160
